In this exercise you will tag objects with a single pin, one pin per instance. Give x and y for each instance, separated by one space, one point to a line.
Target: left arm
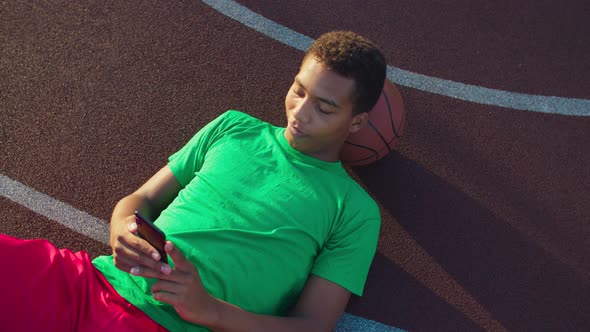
320 305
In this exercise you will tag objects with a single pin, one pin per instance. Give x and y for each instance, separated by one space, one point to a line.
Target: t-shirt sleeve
347 255
189 159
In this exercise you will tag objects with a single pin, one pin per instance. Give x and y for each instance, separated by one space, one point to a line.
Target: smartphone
152 234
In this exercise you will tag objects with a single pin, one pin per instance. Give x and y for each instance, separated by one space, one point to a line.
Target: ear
358 122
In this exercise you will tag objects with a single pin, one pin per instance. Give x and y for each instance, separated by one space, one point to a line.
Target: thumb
132 227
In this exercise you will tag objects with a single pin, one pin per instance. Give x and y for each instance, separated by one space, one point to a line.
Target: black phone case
152 234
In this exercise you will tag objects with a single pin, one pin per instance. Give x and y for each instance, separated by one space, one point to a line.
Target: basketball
382 131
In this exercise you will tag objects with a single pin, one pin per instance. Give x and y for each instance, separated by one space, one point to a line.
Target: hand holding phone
152 234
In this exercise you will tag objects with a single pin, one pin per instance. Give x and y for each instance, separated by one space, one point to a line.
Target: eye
321 110
299 92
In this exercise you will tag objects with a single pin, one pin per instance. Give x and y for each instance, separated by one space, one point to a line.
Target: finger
130 255
168 286
180 261
123 267
126 263
162 271
140 245
123 263
170 298
135 241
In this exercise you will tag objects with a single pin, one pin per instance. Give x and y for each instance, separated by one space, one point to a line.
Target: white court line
462 91
63 213
98 229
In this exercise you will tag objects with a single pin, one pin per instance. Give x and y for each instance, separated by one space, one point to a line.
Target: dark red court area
485 209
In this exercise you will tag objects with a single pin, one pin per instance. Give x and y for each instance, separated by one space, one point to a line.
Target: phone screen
152 234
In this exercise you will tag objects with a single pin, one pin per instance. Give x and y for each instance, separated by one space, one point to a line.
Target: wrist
218 311
211 317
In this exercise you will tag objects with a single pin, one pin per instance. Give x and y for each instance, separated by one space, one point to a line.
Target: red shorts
43 288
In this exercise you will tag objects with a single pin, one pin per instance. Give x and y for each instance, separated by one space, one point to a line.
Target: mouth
295 131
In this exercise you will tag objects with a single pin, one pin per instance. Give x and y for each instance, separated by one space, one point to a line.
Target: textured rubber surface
485 209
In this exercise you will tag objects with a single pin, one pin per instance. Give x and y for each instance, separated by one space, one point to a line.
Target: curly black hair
356 57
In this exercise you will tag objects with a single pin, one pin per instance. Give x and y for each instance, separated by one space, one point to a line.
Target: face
319 111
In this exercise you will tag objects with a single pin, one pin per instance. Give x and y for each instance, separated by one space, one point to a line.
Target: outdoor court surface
485 202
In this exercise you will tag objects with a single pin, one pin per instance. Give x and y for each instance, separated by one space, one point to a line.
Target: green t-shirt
256 217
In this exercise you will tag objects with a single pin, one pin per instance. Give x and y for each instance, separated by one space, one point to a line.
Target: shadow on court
508 273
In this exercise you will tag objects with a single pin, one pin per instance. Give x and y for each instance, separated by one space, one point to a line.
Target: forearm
122 211
229 318
150 199
129 204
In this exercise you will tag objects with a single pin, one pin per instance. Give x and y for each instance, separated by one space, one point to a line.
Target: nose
302 111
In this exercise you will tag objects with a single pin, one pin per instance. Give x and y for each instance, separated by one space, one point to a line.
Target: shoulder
225 123
351 196
238 116
358 211
360 198
237 120
234 114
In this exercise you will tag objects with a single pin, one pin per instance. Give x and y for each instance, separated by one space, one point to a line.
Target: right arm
150 199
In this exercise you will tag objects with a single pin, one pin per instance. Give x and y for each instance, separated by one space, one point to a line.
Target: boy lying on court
266 230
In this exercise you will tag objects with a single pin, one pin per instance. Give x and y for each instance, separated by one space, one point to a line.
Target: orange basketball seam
395 132
375 152
383 139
